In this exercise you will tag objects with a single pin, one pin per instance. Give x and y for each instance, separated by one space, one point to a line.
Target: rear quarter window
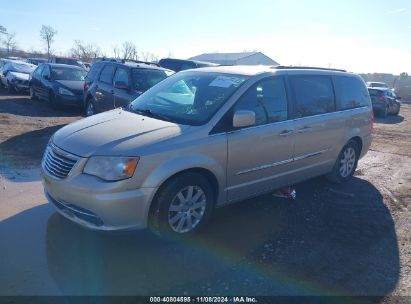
351 93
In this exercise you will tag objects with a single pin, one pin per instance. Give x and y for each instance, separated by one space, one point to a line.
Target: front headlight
111 168
63 91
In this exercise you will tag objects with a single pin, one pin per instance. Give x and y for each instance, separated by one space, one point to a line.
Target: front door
105 90
260 156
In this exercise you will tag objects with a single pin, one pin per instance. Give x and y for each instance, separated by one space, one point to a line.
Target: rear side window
313 95
170 64
267 99
143 79
94 70
351 93
107 74
375 93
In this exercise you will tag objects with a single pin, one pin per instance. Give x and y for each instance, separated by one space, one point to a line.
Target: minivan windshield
190 98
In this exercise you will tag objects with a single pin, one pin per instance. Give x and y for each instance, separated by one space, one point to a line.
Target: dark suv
181 64
111 84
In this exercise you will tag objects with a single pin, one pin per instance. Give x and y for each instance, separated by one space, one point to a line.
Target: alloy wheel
347 162
187 209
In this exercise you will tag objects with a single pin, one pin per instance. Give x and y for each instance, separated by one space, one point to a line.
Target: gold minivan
204 138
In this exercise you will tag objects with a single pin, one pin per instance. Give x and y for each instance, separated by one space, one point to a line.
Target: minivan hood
114 133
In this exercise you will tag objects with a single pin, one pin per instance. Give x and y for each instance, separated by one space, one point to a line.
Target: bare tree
3 30
116 51
86 52
10 42
47 34
148 56
129 51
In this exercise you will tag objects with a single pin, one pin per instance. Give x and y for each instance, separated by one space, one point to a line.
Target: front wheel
397 109
32 94
346 163
182 206
10 88
90 109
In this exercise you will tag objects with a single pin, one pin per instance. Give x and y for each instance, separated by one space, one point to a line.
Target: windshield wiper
147 112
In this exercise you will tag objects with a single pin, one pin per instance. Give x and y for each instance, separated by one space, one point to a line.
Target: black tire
52 100
397 109
162 212
384 113
90 108
10 88
336 175
32 94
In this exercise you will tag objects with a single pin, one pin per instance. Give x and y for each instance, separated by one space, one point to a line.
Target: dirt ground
324 243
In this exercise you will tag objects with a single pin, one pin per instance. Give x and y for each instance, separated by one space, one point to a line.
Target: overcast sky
360 36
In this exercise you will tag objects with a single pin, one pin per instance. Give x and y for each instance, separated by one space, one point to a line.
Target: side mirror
121 85
243 118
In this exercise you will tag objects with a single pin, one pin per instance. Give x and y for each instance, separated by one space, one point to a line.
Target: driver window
267 99
46 72
121 75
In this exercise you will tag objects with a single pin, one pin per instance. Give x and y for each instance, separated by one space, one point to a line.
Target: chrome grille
58 164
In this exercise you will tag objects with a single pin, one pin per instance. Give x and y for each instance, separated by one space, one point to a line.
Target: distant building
246 58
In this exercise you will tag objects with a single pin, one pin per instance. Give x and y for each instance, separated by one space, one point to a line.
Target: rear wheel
346 163
182 206
396 109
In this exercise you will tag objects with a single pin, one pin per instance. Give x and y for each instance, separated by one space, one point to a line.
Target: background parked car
60 84
36 61
14 75
384 101
181 64
66 60
374 84
111 84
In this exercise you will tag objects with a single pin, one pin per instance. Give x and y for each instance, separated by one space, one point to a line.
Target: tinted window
46 71
375 93
170 64
67 74
107 74
121 75
143 79
351 92
94 70
37 72
313 95
267 99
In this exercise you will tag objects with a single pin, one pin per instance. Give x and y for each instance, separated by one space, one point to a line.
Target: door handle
304 129
286 132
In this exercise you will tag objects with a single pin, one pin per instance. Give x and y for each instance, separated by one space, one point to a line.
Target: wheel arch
209 175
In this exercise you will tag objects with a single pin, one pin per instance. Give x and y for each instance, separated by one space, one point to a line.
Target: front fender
178 164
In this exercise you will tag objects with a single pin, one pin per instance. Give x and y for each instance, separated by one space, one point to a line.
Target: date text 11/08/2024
203 300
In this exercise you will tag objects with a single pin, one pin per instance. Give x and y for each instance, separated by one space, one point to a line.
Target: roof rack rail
283 67
139 61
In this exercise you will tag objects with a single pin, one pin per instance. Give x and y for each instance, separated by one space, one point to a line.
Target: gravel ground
324 243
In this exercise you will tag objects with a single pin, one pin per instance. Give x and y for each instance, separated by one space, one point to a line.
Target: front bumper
21 85
67 100
98 205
